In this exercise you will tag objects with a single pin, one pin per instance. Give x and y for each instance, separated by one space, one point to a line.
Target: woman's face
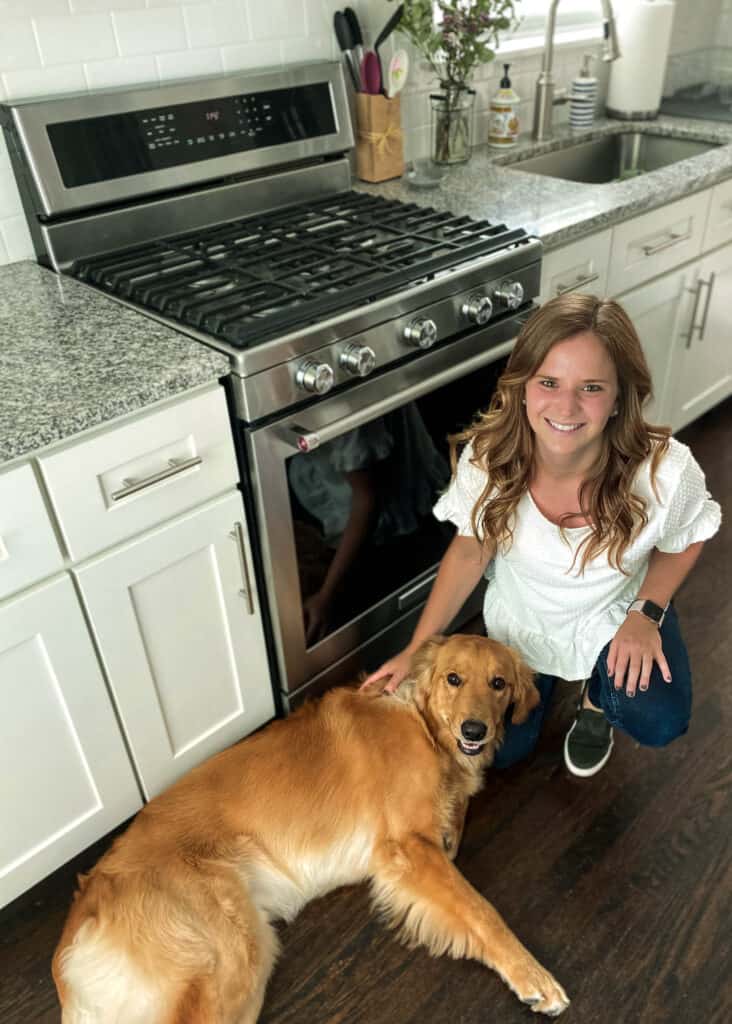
571 397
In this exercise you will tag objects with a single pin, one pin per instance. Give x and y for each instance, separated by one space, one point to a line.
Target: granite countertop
560 211
71 358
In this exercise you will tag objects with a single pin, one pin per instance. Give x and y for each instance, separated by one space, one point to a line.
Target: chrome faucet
546 95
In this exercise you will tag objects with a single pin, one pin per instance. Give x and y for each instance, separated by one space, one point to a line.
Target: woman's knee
654 722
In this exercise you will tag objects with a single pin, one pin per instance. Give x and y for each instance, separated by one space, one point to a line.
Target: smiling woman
587 519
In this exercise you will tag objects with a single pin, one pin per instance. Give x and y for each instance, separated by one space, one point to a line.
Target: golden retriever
172 926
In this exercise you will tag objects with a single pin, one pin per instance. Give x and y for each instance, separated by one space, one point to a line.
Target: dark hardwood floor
620 884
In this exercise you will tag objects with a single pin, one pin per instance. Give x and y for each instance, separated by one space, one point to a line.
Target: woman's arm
461 568
637 644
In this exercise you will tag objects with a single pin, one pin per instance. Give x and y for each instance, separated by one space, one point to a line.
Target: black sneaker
588 743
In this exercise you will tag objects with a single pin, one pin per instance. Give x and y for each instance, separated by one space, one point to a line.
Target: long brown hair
503 442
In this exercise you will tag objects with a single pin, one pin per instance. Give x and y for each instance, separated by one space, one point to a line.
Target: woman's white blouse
558 619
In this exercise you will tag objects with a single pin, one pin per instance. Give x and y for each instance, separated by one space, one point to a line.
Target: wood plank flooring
620 884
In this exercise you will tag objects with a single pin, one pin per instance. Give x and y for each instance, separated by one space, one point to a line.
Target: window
571 14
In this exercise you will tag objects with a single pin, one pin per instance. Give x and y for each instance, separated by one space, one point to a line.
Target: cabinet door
658 310
65 777
176 619
704 366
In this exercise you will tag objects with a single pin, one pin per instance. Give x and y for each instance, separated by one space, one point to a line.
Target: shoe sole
584 773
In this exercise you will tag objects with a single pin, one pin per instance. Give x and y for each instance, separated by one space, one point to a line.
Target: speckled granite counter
561 211
70 359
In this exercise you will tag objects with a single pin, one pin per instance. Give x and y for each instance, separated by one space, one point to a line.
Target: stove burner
252 279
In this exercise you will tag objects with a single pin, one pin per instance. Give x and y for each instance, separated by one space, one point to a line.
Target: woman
587 519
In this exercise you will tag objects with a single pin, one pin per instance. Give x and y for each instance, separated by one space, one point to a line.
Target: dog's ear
525 694
422 667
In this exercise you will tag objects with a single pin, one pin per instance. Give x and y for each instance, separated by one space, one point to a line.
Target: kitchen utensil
386 32
345 41
397 74
356 33
371 73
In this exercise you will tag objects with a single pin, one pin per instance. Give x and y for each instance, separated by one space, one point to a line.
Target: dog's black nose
473 730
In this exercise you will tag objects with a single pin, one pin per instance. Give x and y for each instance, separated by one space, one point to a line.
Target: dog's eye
454 679
498 683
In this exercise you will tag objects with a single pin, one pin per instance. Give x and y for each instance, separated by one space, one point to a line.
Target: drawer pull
705 314
673 238
580 282
174 467
237 534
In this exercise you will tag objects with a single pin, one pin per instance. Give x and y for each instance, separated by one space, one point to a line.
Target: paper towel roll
636 78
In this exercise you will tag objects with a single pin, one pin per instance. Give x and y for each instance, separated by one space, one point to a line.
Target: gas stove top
255 278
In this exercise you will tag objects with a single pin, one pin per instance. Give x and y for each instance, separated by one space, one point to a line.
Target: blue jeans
653 717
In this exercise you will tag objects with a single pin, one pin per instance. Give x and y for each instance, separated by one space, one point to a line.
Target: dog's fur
173 925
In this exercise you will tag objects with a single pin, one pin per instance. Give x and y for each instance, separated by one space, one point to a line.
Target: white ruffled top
560 620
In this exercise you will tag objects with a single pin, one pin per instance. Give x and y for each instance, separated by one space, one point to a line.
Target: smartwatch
650 609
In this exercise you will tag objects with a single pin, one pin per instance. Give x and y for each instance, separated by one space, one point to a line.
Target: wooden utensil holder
379 147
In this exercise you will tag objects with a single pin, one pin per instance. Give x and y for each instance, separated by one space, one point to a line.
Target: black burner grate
253 279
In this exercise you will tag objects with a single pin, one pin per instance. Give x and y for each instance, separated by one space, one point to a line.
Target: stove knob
315 377
421 332
358 360
477 309
510 294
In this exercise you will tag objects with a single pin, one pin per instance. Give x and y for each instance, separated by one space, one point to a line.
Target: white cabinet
578 267
29 551
702 369
656 242
658 309
177 623
65 777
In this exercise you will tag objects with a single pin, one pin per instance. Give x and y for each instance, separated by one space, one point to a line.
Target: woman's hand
633 650
316 612
395 669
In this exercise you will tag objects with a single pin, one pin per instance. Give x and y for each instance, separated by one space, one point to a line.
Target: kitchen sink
613 158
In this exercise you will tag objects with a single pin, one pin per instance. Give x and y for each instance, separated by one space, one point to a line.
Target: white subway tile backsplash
216 24
71 40
18 48
34 8
159 30
17 239
251 55
277 19
4 258
87 6
190 64
312 48
107 74
44 81
8 191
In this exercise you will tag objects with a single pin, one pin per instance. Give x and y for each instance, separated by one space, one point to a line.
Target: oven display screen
118 145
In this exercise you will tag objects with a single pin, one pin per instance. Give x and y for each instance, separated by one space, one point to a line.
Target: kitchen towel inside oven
357 500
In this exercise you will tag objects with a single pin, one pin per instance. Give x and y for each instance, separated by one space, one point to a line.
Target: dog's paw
540 991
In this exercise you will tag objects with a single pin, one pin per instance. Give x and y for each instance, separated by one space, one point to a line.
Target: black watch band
650 609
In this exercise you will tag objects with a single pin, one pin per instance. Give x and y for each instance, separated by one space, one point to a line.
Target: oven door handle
305 439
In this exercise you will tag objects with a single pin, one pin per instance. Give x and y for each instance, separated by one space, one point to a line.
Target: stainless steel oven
360 330
411 410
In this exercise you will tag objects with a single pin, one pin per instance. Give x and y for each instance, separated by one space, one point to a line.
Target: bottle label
503 127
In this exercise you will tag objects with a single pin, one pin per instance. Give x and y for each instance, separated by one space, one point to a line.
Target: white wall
60 46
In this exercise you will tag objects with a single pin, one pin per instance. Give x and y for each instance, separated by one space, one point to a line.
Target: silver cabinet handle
237 534
174 467
705 314
673 238
579 283
692 323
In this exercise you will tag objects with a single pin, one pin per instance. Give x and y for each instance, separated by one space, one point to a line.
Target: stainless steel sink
613 158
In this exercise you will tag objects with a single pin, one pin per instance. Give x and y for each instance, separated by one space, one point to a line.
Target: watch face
652 611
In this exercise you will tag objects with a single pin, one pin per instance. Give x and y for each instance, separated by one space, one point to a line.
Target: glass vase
452 125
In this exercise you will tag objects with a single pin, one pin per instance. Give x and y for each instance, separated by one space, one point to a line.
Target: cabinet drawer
126 479
578 267
28 547
719 221
656 242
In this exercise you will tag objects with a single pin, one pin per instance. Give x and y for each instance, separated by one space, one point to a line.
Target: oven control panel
97 149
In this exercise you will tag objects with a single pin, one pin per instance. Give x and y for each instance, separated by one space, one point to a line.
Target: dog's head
463 685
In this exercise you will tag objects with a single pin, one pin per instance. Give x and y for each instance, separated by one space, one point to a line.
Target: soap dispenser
583 96
503 126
